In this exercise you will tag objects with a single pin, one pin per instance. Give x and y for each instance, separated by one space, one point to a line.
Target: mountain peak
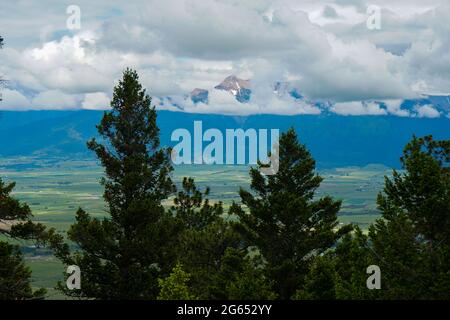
199 95
240 88
233 82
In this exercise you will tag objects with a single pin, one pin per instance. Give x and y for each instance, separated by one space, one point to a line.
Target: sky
347 52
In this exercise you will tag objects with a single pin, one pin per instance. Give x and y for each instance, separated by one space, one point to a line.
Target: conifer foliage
284 221
410 242
123 255
15 223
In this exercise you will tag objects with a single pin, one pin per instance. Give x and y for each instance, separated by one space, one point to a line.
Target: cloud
223 102
213 29
357 108
57 65
96 101
427 111
324 47
55 100
13 100
330 12
394 107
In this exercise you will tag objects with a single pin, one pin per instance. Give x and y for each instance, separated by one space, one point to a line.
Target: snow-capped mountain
423 106
237 87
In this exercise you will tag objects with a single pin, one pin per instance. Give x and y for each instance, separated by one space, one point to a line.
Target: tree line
280 241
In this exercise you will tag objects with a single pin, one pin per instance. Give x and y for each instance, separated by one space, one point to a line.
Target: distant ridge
333 140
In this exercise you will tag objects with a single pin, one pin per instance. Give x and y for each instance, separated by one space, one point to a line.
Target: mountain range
333 140
435 105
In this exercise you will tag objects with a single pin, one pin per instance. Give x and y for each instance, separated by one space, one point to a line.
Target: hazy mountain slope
333 140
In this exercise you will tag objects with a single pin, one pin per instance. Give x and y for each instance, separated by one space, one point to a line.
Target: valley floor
55 188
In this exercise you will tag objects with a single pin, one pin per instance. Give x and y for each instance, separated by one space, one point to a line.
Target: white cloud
56 100
96 101
357 108
394 107
13 100
427 111
178 45
223 102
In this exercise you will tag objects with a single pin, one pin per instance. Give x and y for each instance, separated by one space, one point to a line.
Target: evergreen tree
123 255
204 238
320 281
422 191
212 251
15 277
192 207
241 277
352 256
340 273
411 243
176 285
283 221
15 223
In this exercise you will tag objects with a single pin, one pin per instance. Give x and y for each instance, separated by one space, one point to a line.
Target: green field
56 187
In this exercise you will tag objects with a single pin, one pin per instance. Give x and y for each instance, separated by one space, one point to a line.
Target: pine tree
192 207
411 243
423 190
241 277
211 250
176 285
320 281
204 238
15 223
351 258
287 225
123 255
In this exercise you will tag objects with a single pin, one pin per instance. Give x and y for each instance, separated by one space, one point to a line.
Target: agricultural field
55 188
